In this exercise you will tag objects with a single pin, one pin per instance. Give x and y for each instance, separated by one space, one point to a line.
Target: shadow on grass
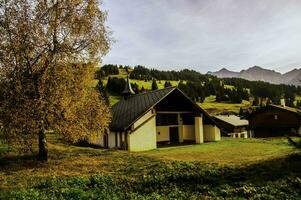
175 144
152 175
266 171
19 162
15 162
193 176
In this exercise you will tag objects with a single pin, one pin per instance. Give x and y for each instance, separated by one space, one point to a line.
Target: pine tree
218 97
103 91
255 101
142 89
154 85
167 84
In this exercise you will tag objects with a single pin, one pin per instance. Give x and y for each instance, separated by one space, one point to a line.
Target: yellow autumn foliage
48 54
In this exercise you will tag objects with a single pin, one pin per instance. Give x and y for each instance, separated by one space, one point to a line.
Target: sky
205 35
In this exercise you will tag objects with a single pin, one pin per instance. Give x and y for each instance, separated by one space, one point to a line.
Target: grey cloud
205 34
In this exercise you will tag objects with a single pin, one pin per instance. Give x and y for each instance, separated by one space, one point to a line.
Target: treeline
110 69
142 73
199 86
199 91
267 90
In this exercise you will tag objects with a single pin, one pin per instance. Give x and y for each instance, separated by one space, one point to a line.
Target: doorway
174 134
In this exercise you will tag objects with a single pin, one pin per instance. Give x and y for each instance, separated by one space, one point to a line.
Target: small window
275 117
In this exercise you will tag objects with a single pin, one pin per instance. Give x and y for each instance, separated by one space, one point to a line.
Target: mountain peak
223 69
257 73
256 68
225 73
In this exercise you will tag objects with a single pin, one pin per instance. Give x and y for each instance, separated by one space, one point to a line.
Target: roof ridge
286 107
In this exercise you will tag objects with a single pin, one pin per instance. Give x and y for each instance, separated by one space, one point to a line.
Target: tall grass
276 179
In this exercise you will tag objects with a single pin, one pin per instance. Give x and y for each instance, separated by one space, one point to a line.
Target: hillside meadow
231 168
209 104
213 107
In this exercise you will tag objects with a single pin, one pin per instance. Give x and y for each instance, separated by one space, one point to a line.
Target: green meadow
213 107
231 169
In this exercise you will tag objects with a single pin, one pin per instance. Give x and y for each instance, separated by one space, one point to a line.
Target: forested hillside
202 88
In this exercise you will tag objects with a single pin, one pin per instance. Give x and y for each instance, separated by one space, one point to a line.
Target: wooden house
274 120
141 121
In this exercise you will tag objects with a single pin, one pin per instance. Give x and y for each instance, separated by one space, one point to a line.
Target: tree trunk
43 151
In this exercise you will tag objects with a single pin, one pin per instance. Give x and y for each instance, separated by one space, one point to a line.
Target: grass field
229 151
231 168
213 107
148 84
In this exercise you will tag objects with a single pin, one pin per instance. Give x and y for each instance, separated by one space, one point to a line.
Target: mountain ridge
257 73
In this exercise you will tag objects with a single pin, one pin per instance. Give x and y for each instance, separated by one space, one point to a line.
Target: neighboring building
274 121
141 121
233 126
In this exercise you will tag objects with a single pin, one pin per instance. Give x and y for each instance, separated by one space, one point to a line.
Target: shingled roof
232 120
129 109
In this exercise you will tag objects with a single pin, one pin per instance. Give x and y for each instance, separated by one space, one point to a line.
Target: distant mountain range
257 73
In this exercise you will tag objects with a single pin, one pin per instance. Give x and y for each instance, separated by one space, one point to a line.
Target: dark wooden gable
275 117
176 102
129 109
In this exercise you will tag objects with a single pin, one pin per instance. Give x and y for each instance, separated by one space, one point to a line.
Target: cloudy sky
205 35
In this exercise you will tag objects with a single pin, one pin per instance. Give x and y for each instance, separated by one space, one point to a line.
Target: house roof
233 120
272 106
130 109
290 109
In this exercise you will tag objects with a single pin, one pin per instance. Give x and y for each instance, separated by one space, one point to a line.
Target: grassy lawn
229 87
272 157
148 84
66 160
231 169
229 151
213 107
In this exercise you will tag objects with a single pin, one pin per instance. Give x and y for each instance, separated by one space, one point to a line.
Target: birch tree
48 53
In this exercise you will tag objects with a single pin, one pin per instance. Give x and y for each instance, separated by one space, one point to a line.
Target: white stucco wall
211 133
144 138
111 140
164 133
142 119
100 141
188 132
